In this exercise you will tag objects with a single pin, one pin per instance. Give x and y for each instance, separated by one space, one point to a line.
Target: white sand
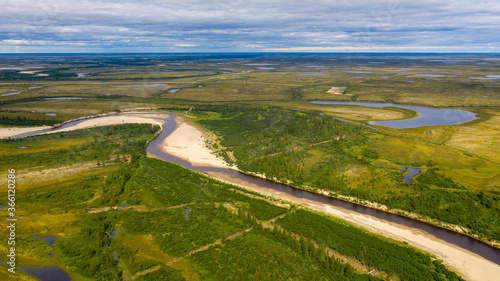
467 264
14 131
187 142
116 120
94 122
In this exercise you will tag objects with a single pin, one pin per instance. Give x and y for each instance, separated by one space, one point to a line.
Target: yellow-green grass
89 89
6 88
24 87
33 252
378 178
438 134
352 112
233 90
147 250
314 156
34 116
42 221
18 276
78 108
10 149
187 270
149 74
456 164
481 139
36 178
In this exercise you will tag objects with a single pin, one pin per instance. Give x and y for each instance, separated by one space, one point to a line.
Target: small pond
46 273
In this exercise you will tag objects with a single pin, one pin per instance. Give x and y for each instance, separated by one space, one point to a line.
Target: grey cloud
232 25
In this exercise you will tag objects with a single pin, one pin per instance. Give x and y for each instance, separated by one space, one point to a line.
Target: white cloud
234 25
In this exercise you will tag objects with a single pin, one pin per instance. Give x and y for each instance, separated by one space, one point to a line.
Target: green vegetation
308 150
289 145
177 235
258 256
165 273
405 262
431 176
126 139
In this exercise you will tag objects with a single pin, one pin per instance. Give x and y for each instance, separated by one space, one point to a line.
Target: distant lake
427 116
487 77
313 74
139 86
260 64
431 75
173 91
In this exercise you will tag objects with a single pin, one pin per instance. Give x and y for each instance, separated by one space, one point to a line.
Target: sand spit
188 142
14 131
92 121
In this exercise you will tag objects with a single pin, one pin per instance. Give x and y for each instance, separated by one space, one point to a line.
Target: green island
119 214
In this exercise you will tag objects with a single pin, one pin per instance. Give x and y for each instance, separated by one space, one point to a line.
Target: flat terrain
255 110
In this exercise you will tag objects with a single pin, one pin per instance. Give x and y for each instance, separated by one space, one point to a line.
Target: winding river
416 233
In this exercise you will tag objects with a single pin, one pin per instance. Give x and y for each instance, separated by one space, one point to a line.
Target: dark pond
46 273
113 233
50 240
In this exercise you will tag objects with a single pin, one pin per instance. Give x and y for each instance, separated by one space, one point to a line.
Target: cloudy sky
249 26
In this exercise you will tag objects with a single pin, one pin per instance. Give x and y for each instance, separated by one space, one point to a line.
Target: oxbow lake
427 116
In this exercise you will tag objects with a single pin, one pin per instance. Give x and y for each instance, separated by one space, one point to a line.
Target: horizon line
253 52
